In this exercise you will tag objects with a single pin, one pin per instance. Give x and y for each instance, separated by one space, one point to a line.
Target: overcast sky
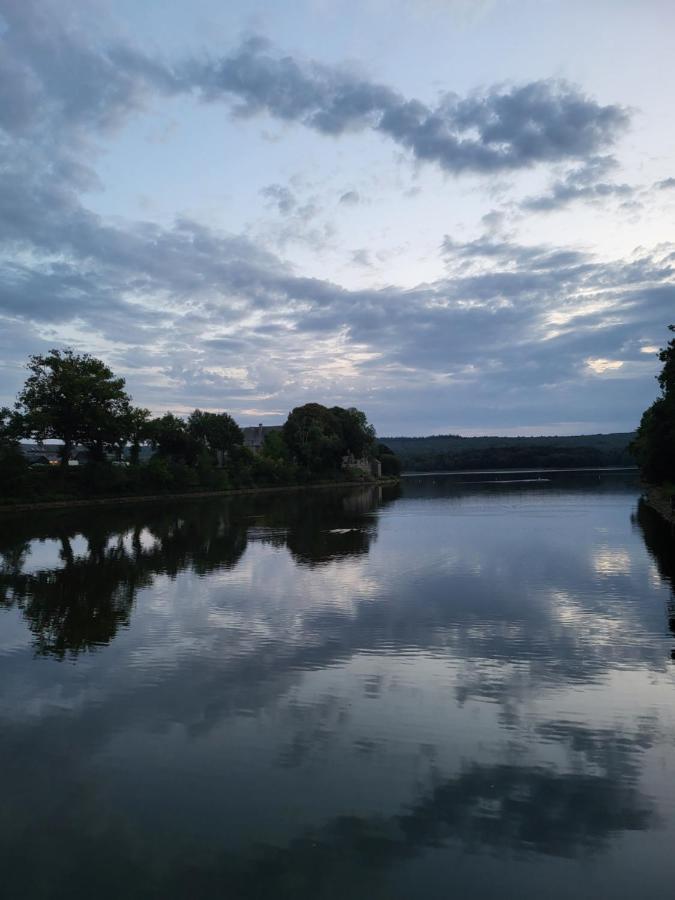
456 215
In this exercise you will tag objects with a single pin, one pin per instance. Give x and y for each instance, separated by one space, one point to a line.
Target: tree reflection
660 543
509 810
82 603
329 525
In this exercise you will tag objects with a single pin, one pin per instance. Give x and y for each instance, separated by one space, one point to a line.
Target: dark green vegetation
654 445
77 400
450 452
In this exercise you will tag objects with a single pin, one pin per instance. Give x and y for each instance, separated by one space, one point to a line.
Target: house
364 464
40 454
50 454
254 436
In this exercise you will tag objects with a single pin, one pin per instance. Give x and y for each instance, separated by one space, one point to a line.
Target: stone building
254 436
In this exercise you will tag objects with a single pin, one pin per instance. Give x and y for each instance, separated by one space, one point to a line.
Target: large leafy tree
358 436
318 438
311 435
75 398
172 439
654 445
218 432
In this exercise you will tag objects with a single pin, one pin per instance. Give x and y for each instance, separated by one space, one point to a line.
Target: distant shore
187 495
520 471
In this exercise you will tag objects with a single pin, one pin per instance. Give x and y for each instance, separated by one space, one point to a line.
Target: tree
274 447
218 432
358 436
75 398
13 463
136 430
654 445
10 428
311 435
391 464
318 438
170 436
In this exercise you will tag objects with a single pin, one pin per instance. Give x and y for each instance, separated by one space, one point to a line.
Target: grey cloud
666 184
474 341
501 130
281 197
59 76
362 257
494 220
350 198
60 89
582 183
508 253
189 301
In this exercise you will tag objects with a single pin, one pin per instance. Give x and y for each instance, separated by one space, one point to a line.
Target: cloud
582 183
600 366
503 129
281 197
503 335
361 257
350 198
666 184
53 77
507 333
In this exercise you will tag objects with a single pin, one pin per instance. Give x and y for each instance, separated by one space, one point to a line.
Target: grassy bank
73 503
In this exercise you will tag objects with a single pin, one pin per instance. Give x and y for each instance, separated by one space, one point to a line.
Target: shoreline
660 503
518 471
195 495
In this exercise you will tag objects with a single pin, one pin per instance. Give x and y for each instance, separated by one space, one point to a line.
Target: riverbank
660 500
187 495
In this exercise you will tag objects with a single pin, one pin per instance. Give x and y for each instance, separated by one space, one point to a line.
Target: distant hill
450 452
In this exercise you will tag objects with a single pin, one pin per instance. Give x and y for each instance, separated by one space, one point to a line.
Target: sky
456 215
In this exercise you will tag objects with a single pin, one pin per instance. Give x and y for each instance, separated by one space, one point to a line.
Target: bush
14 471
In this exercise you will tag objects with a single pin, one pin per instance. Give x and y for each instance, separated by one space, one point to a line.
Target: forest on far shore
451 452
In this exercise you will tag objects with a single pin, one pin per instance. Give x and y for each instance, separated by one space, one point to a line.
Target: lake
448 688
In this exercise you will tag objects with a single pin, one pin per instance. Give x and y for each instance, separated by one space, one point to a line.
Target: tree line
521 455
654 444
78 400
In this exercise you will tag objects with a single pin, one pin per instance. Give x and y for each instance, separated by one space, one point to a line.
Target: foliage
171 438
75 398
356 434
78 400
135 431
274 447
218 432
391 464
319 438
654 445
11 426
13 465
310 433
452 452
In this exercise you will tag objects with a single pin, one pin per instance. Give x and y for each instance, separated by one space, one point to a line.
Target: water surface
460 687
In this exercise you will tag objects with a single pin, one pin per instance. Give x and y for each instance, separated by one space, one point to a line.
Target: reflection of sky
486 677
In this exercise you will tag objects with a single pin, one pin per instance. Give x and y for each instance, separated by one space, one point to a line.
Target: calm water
447 689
